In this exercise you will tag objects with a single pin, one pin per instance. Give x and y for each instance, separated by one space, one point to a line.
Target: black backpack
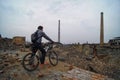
34 37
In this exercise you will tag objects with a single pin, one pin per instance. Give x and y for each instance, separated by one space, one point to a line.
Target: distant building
18 40
115 41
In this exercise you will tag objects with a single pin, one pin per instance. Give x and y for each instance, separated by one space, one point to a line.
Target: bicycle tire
53 58
26 63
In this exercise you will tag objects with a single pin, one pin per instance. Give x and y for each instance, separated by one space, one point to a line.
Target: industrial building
115 41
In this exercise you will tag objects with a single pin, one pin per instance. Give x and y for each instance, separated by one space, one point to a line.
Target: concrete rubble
11 69
107 61
76 62
80 74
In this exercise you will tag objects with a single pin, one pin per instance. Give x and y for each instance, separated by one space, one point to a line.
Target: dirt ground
107 61
12 69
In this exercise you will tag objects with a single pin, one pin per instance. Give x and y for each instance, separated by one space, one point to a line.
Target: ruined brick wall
5 43
18 40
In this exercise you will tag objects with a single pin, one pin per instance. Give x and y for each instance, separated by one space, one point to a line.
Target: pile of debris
11 69
107 61
7 61
5 43
12 44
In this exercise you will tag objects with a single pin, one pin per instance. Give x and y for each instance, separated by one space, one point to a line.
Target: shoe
41 65
46 63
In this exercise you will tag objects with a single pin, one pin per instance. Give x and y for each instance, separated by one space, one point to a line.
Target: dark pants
39 46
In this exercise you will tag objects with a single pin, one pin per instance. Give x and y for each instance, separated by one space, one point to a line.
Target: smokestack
58 30
102 30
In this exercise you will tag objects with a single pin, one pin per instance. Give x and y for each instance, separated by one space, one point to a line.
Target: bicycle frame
47 48
34 60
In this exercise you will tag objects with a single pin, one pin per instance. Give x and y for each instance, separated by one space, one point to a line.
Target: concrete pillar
101 30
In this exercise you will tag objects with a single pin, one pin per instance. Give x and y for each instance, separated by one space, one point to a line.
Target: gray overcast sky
80 19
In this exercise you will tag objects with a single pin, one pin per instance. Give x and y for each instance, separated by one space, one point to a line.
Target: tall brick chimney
58 30
102 30
0 36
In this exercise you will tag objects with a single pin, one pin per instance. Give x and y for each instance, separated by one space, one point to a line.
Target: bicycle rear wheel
30 63
53 58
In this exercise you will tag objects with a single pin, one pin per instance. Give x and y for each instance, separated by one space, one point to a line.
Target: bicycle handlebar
57 43
51 44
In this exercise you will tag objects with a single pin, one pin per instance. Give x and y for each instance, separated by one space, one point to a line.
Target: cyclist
38 44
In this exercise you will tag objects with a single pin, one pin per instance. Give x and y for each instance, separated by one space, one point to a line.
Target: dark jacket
41 34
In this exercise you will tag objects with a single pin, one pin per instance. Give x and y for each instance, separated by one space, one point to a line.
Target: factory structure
21 40
112 42
59 31
101 30
115 41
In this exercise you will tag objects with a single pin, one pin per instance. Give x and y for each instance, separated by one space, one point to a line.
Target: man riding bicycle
38 43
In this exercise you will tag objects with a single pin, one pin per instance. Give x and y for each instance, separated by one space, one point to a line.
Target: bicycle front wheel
30 63
53 58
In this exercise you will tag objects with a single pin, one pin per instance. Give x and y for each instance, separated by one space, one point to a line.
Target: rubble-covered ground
76 62
11 69
107 61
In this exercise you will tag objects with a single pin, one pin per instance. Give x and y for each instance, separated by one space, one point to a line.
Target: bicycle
29 60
